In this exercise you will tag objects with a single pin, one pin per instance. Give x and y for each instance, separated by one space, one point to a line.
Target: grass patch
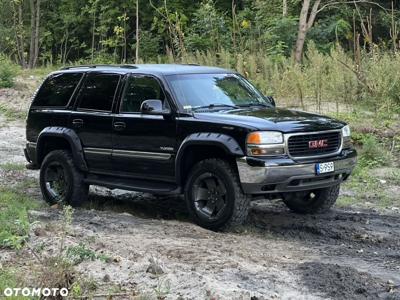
12 167
79 253
14 221
12 114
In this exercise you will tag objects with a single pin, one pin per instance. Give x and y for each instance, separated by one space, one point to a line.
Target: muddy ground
153 251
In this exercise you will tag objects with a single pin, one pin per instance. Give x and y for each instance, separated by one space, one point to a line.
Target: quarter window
139 89
57 89
98 91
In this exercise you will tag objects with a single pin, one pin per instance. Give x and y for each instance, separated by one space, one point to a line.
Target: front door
144 145
92 119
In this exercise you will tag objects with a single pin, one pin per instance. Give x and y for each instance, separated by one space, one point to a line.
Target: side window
57 89
138 89
98 92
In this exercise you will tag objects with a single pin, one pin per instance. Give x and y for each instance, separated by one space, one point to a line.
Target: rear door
144 145
92 119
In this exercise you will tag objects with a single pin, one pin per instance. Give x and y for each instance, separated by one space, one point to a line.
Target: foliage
80 253
373 153
8 71
14 221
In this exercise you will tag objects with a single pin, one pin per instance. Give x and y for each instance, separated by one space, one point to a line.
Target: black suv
203 132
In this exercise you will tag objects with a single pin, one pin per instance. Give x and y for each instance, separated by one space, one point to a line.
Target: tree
284 8
35 28
137 32
306 21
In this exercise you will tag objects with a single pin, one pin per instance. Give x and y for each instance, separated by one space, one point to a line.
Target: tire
312 202
60 181
220 203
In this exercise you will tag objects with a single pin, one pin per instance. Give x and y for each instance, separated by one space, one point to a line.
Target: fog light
267 151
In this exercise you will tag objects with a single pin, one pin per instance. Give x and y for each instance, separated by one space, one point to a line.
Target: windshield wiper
215 105
253 104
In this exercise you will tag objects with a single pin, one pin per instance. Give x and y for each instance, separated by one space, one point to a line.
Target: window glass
200 90
57 89
138 89
98 91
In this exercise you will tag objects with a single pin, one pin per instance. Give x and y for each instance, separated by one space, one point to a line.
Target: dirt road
345 254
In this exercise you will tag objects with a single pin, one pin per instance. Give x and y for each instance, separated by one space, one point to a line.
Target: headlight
346 134
265 137
265 143
346 131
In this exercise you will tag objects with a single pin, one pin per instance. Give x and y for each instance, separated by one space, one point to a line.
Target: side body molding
225 142
67 134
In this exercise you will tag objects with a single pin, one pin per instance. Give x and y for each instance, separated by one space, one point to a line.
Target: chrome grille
299 145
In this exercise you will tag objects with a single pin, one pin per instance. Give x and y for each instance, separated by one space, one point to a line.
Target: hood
276 119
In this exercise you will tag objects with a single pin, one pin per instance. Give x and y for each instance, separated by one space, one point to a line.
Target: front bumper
266 176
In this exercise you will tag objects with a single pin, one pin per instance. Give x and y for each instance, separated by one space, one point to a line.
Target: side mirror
271 100
153 107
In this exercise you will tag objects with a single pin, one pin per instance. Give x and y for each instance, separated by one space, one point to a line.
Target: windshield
215 91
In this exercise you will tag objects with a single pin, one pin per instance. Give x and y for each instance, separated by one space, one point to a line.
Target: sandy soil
156 251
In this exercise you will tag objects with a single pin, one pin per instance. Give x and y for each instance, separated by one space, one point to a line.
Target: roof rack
126 66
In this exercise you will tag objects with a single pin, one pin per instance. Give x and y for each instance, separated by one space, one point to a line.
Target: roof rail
126 66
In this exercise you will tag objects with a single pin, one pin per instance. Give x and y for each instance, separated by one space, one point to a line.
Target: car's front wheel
311 202
61 181
214 196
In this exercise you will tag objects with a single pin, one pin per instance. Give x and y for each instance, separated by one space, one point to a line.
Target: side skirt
136 185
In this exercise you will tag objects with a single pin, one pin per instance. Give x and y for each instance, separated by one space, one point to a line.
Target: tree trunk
305 23
32 42
137 32
19 34
284 8
93 32
35 26
37 33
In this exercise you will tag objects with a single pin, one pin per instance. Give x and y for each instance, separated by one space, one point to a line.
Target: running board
137 185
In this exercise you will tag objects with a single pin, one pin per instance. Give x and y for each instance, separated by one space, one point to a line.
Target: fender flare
223 141
70 136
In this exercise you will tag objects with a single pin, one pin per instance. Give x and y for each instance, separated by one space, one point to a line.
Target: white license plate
327 167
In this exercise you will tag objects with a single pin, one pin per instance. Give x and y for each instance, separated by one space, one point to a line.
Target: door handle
77 123
119 126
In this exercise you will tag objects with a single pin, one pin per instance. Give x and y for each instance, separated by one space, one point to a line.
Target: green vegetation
79 253
12 167
350 55
8 71
14 221
11 114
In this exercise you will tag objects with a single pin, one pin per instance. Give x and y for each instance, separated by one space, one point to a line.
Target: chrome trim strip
141 154
100 151
128 153
286 137
32 144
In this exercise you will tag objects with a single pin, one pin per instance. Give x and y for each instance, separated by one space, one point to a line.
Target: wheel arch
55 138
199 146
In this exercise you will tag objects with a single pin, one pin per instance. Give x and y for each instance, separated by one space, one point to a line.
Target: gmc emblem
318 144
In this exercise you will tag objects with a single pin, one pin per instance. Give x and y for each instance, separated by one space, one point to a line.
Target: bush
8 71
373 153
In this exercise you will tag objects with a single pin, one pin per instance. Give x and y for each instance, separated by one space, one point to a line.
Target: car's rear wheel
214 196
311 202
60 181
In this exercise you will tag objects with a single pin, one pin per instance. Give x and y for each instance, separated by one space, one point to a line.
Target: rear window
98 92
57 89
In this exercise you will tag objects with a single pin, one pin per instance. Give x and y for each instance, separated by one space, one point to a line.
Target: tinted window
199 90
57 89
98 91
138 89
